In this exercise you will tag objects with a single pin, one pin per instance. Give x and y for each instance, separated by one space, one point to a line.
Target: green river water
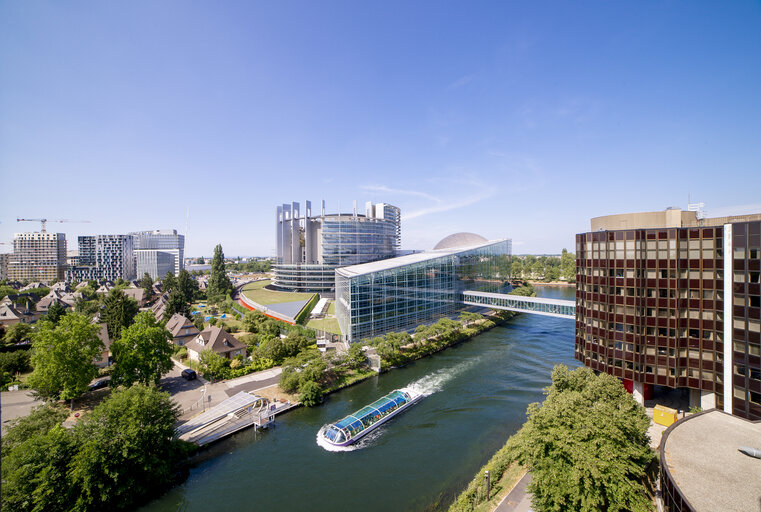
477 394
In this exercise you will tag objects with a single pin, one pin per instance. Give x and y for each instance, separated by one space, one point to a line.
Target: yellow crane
45 221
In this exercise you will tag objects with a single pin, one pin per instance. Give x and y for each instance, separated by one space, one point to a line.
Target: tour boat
356 425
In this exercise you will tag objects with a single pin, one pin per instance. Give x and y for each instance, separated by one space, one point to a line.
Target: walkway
517 500
538 306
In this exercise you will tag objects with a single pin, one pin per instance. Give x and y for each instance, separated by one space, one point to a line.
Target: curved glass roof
363 418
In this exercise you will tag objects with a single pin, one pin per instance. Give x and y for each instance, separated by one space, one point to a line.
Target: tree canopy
63 357
143 354
586 445
118 312
120 453
219 285
146 283
17 333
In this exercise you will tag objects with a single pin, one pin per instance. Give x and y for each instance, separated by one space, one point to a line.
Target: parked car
189 374
99 384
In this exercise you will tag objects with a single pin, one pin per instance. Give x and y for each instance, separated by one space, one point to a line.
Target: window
755 398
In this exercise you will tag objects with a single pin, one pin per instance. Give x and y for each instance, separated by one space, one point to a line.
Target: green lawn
256 292
332 308
325 324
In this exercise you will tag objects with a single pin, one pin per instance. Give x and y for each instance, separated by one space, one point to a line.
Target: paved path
188 394
517 500
14 404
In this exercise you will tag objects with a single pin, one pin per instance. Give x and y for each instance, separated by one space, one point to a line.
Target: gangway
535 305
236 413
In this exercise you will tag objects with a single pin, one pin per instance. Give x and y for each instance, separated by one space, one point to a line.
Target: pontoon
354 426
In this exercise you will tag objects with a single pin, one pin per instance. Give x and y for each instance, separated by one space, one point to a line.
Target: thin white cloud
389 190
460 82
445 207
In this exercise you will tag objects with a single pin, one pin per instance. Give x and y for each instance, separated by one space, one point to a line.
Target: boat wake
423 387
434 382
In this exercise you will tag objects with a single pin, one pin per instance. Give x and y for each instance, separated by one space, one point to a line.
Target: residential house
136 293
12 314
48 300
104 359
217 340
182 329
159 307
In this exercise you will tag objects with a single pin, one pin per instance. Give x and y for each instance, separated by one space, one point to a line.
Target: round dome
460 240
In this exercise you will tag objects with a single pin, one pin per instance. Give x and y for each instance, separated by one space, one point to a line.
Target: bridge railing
535 305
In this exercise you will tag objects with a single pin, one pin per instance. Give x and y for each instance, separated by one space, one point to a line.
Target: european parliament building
401 293
310 247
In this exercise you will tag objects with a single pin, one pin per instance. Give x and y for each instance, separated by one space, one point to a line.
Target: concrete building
37 256
158 252
4 259
311 246
398 294
104 257
673 299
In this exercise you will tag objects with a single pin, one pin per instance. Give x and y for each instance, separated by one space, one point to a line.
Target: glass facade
310 248
402 293
348 240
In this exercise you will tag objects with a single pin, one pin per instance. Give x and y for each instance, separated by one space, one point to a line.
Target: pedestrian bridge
534 305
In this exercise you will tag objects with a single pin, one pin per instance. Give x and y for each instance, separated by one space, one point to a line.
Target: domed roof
460 240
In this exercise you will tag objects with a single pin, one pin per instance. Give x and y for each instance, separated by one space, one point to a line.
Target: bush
15 362
181 352
310 393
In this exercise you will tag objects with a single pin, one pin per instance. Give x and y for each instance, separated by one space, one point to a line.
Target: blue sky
509 119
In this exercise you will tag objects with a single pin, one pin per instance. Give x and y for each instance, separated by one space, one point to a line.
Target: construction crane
45 221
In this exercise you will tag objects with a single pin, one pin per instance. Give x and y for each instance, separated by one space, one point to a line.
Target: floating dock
236 413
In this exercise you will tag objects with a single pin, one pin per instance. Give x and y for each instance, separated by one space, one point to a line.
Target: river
477 391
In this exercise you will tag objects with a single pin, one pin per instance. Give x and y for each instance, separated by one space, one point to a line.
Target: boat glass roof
355 421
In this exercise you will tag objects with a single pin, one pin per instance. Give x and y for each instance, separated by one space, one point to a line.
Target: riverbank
551 283
399 349
504 474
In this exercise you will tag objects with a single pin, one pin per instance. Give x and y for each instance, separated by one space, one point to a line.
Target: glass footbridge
534 305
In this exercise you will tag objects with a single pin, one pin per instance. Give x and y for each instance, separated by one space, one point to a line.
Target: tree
125 449
219 285
143 354
63 357
118 312
586 445
567 266
146 283
17 333
169 282
356 358
214 365
186 285
310 393
176 304
35 472
55 312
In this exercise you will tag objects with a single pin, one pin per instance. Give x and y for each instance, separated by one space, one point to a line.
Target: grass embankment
256 292
325 324
504 474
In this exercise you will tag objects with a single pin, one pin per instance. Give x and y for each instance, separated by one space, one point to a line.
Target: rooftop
669 218
702 457
377 266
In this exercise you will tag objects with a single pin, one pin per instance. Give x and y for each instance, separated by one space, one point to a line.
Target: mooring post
488 484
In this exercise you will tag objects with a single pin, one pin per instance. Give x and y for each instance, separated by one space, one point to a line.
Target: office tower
672 299
158 252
